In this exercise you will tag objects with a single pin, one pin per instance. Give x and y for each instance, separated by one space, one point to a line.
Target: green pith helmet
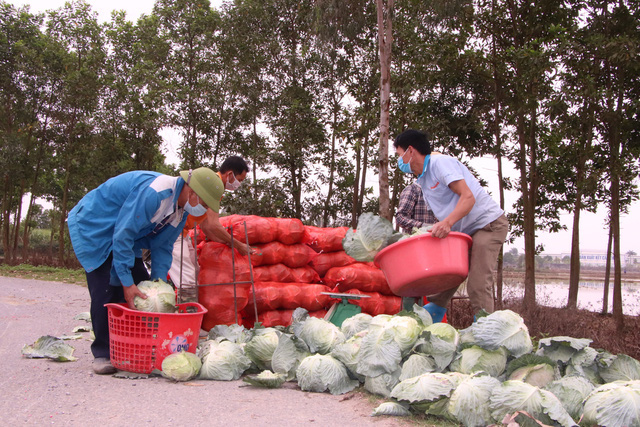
206 184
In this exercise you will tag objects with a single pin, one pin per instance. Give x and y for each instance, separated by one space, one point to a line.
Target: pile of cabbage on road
488 373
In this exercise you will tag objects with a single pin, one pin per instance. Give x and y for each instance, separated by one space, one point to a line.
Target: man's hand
244 249
130 292
440 229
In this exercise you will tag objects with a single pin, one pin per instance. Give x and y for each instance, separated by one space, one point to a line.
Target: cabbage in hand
161 297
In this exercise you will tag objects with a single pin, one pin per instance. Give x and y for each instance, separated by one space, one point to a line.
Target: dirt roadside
39 391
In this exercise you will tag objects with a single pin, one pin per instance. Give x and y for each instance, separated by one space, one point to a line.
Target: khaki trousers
483 259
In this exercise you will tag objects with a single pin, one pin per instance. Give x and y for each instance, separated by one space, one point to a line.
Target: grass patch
51 274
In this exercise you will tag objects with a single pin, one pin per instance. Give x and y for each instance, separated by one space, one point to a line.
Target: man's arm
463 207
212 228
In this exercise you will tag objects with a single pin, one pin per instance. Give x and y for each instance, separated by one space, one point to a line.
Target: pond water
590 295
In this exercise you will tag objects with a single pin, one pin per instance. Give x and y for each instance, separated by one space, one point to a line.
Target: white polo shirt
443 170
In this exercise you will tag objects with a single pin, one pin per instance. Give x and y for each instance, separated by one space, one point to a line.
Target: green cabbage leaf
161 297
181 366
372 234
319 373
616 404
49 347
222 360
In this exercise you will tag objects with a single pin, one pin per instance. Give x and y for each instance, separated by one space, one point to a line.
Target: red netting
324 261
278 295
324 239
360 276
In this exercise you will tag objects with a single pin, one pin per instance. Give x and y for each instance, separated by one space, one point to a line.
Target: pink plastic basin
425 265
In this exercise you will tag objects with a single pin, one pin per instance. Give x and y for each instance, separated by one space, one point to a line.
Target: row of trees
295 87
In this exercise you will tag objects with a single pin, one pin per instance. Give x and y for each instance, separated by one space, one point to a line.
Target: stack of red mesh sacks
283 279
346 275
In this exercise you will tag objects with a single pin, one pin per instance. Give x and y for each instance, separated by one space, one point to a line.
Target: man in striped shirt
413 211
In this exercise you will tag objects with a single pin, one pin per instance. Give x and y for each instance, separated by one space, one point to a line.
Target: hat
206 184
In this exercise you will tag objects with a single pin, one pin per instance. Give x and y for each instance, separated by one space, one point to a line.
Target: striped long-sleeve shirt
413 211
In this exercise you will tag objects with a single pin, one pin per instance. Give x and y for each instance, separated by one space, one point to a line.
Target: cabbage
440 341
469 402
234 333
532 369
261 347
612 405
389 338
417 364
391 408
621 368
161 297
223 361
49 347
266 379
288 354
382 384
561 349
321 336
355 324
347 353
319 373
584 363
571 390
514 396
372 234
181 366
426 388
502 328
475 359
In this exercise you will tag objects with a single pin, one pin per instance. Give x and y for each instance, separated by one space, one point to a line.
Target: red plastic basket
141 340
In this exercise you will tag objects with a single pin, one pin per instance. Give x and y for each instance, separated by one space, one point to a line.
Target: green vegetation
51 274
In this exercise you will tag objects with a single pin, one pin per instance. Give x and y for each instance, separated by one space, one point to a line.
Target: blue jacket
130 212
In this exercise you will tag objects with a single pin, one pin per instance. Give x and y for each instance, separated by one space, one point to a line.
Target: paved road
40 391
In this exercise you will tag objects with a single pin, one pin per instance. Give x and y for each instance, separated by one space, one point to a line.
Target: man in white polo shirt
456 197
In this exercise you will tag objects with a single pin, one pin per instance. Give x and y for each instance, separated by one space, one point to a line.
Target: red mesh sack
327 239
219 300
259 230
282 273
296 255
324 261
376 303
278 295
289 230
359 276
216 264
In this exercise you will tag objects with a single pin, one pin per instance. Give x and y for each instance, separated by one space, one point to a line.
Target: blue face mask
197 210
405 167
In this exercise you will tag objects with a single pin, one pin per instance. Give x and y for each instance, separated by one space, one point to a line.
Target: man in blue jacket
462 205
111 225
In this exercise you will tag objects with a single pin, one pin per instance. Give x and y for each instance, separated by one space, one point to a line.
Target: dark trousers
102 293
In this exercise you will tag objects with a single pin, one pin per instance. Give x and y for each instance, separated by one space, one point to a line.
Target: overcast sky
593 232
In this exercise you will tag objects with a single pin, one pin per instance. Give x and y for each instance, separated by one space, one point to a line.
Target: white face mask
232 186
197 210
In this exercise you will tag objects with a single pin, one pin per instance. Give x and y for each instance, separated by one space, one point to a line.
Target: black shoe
103 366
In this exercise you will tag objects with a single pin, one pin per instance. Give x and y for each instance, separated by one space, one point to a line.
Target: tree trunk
356 184
325 216
6 220
615 228
17 220
63 216
529 217
574 272
500 270
385 40
607 274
